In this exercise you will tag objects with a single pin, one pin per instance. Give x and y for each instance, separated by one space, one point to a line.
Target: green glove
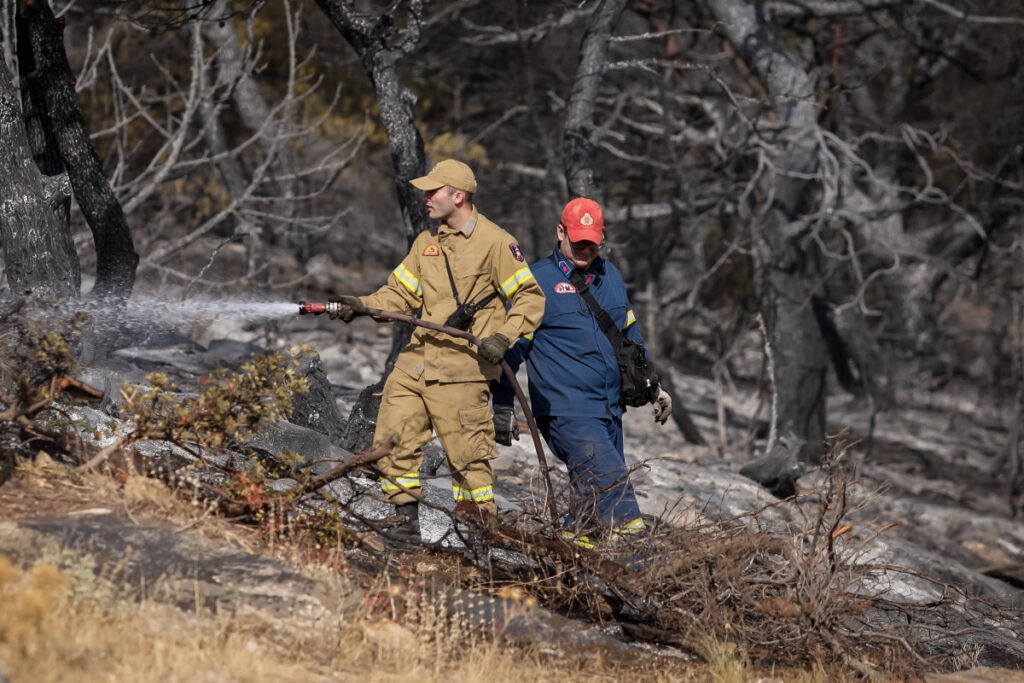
345 312
493 348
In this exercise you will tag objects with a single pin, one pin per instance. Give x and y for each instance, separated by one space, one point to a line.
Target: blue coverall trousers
602 497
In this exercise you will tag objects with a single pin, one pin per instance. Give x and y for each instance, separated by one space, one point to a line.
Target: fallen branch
320 480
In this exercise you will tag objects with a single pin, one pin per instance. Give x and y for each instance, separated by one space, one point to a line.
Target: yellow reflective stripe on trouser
408 279
582 541
406 481
630 318
512 284
479 495
635 526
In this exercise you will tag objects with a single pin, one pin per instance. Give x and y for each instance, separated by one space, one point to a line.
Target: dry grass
62 620
47 634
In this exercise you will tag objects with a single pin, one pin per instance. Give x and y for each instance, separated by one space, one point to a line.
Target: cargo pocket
478 430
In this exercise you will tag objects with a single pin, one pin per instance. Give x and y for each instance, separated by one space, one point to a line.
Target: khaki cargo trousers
458 412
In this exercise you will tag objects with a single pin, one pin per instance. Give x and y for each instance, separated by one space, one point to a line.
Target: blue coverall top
571 365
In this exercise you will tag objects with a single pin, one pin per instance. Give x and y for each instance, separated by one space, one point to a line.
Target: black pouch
462 318
639 381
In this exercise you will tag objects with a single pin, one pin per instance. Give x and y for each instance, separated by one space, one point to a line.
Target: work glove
345 312
506 426
662 407
493 348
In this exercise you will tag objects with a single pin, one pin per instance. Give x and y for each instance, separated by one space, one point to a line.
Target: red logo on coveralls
431 250
564 288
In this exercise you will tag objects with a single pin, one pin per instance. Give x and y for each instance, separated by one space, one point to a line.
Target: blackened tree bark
39 256
578 143
41 140
800 354
116 259
380 50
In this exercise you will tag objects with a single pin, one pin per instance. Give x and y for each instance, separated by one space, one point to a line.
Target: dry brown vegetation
735 596
62 621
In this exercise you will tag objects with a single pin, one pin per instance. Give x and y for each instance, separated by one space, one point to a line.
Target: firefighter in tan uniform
441 383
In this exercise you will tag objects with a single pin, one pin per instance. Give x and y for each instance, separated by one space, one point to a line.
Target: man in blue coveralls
575 380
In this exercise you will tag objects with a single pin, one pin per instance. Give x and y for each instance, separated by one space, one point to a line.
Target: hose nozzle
313 308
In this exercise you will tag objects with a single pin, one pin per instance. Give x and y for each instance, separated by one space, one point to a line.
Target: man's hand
506 426
345 311
493 348
662 407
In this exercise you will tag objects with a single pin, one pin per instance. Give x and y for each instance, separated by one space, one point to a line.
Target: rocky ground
932 468
926 480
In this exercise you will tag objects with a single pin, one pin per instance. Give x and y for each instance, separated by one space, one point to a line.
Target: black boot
407 531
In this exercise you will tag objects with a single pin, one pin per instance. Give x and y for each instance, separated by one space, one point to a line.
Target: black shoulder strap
451 278
604 320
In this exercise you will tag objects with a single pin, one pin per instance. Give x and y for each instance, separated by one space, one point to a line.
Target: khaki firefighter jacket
485 260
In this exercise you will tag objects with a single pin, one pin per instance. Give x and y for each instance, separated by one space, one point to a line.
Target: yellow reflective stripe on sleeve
408 279
406 481
630 318
528 336
635 526
519 277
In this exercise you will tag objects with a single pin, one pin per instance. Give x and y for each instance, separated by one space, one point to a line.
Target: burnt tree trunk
41 140
800 354
577 141
116 259
39 256
371 38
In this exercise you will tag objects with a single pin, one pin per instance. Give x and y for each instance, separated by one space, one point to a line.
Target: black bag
462 317
639 381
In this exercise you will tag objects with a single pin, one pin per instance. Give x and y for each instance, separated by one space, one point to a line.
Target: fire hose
309 308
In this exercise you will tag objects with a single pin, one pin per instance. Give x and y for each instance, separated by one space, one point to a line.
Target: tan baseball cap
448 172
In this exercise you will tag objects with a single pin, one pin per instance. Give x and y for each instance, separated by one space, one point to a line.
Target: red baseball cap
583 220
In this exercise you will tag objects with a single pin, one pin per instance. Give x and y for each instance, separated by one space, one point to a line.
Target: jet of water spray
141 311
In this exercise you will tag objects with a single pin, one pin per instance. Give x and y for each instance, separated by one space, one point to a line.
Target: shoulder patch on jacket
517 253
564 288
431 250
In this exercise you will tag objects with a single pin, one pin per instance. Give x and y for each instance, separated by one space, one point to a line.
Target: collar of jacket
594 273
467 229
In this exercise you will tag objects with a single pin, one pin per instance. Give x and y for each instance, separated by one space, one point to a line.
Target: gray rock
233 351
187 570
284 435
187 358
316 409
282 485
362 421
779 469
